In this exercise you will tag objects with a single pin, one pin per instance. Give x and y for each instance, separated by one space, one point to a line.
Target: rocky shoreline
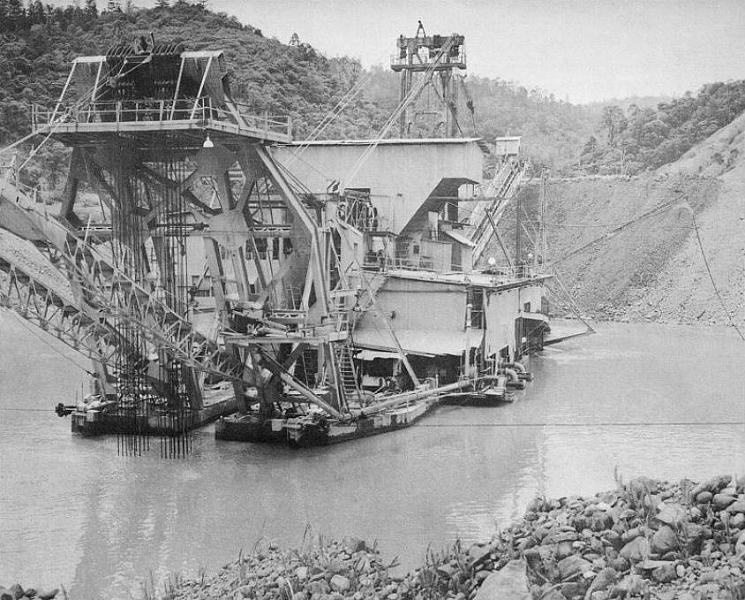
645 539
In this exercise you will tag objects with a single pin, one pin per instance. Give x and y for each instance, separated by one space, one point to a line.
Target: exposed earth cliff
627 248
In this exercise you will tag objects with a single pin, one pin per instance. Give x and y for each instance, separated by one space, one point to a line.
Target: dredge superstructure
211 272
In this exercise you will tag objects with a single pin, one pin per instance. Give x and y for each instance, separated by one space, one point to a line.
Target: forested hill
38 43
634 138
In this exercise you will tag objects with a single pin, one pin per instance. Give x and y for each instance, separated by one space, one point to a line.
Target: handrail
158 111
516 272
397 61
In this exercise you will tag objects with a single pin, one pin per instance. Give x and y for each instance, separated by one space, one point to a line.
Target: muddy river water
662 401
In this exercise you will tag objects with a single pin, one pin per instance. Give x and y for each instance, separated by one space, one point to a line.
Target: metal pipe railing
158 111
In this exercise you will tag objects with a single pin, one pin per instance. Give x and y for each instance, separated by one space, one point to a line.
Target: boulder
352 545
672 514
572 565
620 564
5 594
738 506
337 567
564 549
651 565
47 595
704 497
635 550
319 587
301 573
446 569
17 591
603 580
601 520
722 501
664 540
713 485
631 534
339 583
693 534
613 539
740 545
509 582
639 486
631 585
561 536
737 521
573 589
665 573
477 554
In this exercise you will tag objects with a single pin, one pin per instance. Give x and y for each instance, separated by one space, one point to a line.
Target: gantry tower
173 197
435 59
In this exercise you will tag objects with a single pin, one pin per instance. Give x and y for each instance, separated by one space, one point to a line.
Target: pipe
522 372
415 395
310 396
511 374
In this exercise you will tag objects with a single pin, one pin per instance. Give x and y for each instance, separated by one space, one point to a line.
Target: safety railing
424 263
451 59
159 111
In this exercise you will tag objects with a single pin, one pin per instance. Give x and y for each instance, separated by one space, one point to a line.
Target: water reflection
74 512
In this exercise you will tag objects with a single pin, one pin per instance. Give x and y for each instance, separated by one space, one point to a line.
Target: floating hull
92 423
485 398
303 433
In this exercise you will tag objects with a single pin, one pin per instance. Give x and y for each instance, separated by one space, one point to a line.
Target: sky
579 50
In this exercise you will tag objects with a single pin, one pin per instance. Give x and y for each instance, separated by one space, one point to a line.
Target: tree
614 121
590 146
15 15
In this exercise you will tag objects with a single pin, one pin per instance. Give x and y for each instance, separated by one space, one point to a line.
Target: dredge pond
661 401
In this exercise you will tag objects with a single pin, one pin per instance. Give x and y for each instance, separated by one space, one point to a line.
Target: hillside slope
721 227
652 269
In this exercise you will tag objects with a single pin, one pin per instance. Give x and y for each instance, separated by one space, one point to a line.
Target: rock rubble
16 592
646 539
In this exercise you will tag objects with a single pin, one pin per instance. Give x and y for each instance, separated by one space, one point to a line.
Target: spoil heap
644 540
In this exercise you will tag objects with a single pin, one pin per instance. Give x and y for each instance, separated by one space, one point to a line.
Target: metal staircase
347 373
499 191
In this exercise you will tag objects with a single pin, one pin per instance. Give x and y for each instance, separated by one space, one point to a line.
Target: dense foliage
39 42
636 139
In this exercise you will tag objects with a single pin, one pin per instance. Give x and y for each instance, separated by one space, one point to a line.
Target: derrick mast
435 59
